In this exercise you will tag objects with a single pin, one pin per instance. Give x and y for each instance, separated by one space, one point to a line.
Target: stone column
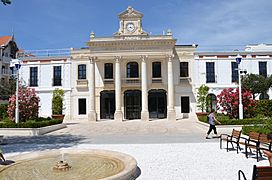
144 113
118 115
171 113
92 113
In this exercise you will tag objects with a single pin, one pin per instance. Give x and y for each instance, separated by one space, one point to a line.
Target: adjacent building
8 49
135 75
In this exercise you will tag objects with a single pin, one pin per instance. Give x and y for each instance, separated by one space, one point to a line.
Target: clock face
130 27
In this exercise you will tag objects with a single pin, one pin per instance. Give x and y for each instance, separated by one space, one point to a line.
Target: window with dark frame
108 71
210 76
234 72
82 71
185 104
82 106
156 69
263 69
57 76
33 80
184 70
132 70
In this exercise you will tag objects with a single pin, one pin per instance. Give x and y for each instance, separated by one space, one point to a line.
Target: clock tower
130 23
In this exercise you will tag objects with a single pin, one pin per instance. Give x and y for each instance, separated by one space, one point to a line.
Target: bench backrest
236 134
254 136
264 139
262 172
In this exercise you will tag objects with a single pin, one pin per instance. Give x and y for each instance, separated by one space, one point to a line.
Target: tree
202 97
5 2
256 84
7 89
28 104
228 101
57 101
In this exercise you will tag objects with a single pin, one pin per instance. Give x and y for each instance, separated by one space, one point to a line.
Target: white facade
45 86
223 70
133 75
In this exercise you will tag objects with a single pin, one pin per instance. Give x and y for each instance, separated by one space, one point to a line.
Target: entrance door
157 104
107 104
185 104
133 104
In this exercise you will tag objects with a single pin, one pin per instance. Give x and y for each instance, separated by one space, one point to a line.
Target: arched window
132 70
264 96
211 102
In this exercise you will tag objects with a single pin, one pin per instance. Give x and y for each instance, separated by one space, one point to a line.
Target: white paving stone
184 161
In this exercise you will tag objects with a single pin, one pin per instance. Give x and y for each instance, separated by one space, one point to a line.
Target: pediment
130 13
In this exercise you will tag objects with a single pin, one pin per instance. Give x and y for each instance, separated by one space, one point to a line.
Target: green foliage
5 2
3 111
57 101
264 108
7 89
30 123
202 97
256 84
225 120
265 128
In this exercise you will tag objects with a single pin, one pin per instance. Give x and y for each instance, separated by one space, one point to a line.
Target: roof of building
4 40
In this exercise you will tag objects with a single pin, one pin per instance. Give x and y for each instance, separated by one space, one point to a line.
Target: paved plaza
164 150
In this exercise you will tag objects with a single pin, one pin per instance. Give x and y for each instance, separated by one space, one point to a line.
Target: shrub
30 124
228 101
202 97
225 120
3 111
28 104
265 128
264 107
57 101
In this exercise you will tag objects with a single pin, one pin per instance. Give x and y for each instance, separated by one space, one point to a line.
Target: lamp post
17 64
238 61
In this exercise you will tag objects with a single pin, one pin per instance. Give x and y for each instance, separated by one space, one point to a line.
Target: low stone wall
30 131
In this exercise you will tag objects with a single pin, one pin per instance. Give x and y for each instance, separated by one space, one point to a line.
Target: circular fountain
71 164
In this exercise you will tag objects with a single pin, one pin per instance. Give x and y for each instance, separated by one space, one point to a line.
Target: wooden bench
264 144
252 142
259 173
233 138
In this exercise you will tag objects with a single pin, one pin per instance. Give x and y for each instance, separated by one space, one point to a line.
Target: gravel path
180 161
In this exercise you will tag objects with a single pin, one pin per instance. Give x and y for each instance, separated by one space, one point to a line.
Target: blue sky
212 24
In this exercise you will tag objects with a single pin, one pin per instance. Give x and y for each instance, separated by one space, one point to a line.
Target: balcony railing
157 80
131 81
56 82
33 82
82 83
185 79
5 72
108 81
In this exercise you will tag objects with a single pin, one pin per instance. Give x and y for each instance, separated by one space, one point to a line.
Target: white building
134 75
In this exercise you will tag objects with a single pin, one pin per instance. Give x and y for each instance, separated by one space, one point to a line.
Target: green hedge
264 108
3 111
225 120
30 123
265 128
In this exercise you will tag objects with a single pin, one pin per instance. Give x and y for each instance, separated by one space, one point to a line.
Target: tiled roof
5 40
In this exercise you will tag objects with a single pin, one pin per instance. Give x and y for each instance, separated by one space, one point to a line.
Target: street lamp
238 61
17 64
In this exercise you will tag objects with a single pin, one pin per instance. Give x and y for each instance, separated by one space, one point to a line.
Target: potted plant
57 104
